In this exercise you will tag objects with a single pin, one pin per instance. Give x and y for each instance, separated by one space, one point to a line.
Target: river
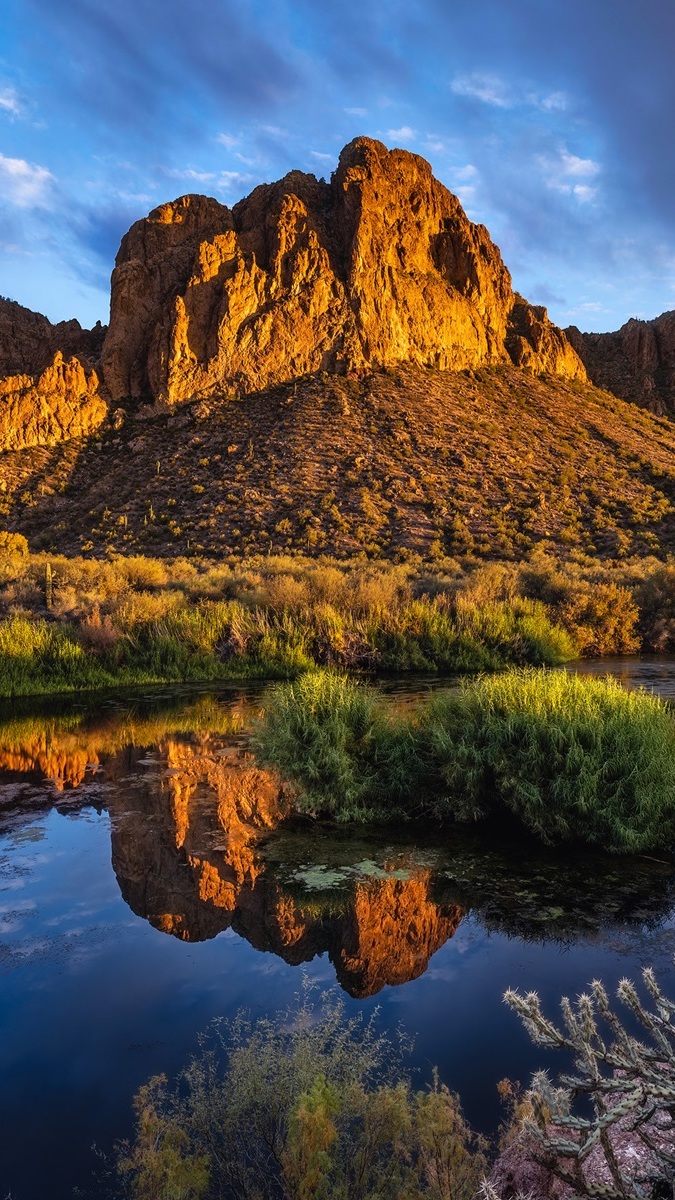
145 888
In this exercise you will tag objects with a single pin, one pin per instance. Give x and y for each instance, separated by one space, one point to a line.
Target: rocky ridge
50 390
636 363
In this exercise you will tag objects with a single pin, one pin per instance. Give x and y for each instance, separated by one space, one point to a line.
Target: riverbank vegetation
311 1104
569 757
86 623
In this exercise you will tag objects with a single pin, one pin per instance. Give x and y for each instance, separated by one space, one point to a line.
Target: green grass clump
36 656
336 740
571 758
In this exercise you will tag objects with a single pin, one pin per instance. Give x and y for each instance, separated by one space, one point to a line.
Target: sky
550 119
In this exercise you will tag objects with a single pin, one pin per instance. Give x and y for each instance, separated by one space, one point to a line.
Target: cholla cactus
631 1086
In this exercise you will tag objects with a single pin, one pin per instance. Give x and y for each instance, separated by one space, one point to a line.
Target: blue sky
551 120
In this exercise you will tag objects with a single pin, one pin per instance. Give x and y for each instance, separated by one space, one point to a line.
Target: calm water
144 890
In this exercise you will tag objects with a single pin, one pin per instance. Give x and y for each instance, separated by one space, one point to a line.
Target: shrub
311 1104
656 600
602 620
12 543
334 739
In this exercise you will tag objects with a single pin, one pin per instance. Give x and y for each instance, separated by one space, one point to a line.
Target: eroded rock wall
380 266
62 402
49 388
637 362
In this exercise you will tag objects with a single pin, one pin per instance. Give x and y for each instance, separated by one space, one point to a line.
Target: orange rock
64 401
380 266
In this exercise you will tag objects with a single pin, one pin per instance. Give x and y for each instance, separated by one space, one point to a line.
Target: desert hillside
488 463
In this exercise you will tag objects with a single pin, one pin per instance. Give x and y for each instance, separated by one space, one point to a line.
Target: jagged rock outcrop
380 266
49 389
62 402
637 362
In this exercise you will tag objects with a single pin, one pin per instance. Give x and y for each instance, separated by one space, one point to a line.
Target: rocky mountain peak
378 267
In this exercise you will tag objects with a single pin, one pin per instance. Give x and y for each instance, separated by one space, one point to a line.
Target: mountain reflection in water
202 842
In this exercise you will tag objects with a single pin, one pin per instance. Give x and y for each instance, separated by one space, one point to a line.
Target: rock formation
62 402
378 267
49 389
637 362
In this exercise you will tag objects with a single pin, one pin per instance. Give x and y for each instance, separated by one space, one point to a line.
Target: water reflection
202 842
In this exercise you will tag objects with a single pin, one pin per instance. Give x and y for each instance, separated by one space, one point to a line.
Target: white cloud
227 140
462 174
491 89
229 180
465 194
9 101
24 184
584 193
404 134
555 102
570 175
357 112
585 168
274 131
487 88
135 197
322 157
189 173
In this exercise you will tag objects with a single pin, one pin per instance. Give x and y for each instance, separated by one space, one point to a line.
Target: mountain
336 367
378 267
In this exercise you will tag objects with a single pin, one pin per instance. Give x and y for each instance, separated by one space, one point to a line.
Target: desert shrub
602 618
311 1104
655 597
374 590
286 592
570 757
518 632
494 582
98 634
12 544
620 1145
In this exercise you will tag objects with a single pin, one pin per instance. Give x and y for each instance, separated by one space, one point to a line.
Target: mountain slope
408 461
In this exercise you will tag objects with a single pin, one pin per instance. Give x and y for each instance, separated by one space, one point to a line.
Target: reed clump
571 758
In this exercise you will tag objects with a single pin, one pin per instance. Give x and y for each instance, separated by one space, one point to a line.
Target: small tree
312 1105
